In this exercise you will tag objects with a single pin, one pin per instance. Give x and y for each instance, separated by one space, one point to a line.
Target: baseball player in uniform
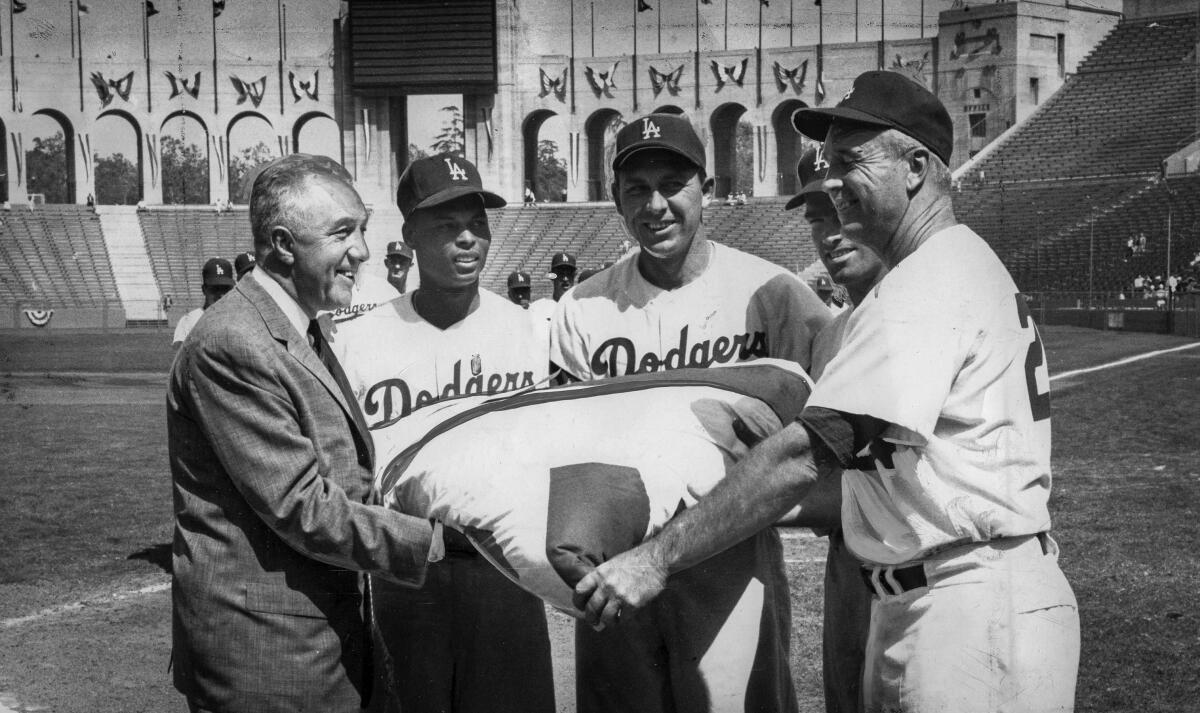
398 260
942 375
519 288
216 279
718 639
562 275
847 602
469 640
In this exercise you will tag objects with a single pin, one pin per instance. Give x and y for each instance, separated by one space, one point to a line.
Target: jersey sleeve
568 346
897 363
793 316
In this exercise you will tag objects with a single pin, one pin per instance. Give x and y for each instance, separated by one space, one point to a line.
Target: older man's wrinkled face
848 262
328 243
867 182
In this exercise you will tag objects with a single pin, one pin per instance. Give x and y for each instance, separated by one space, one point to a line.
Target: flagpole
79 56
146 53
758 59
571 59
12 58
280 9
216 93
792 23
659 11
820 46
882 27
726 45
634 72
696 56
593 16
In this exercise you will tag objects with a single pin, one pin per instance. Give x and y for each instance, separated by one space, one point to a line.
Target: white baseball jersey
542 311
739 309
368 293
944 351
396 362
185 325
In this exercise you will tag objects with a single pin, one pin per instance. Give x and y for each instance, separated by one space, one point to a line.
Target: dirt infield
85 523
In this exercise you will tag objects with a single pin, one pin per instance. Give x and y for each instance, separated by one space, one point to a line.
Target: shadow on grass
158 555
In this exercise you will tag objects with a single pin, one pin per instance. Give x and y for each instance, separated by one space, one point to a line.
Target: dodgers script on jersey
396 362
944 351
368 293
741 308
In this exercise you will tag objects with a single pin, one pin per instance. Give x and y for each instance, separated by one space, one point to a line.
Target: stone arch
669 109
115 183
789 144
320 141
183 159
547 182
41 168
248 147
724 124
601 129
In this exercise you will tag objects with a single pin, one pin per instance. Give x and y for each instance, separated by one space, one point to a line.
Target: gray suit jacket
274 518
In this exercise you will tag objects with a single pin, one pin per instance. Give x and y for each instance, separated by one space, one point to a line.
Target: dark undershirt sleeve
839 435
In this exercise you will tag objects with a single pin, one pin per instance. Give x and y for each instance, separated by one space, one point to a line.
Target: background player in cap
847 602
216 280
942 375
519 288
244 263
469 640
398 260
680 299
562 276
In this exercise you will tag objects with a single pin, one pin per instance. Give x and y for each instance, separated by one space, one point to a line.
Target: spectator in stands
823 286
398 260
562 272
1129 248
1141 242
1138 280
244 263
519 288
216 280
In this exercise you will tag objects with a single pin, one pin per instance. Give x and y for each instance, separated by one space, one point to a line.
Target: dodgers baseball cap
518 279
669 132
434 180
244 262
217 272
811 178
562 259
823 283
887 100
401 248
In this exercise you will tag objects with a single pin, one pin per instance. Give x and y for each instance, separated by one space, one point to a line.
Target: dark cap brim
815 123
623 156
809 188
222 281
490 200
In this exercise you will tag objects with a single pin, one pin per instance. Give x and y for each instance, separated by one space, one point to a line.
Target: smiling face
451 241
325 241
867 181
849 263
564 279
660 196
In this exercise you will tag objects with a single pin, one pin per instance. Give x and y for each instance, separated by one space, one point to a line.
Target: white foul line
76 606
1126 360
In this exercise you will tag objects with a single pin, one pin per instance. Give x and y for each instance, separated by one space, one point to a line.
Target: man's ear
706 190
283 244
918 170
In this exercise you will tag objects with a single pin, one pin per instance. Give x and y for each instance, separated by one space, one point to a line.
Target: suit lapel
282 329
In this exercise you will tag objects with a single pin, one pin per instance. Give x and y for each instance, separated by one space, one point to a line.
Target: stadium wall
23 317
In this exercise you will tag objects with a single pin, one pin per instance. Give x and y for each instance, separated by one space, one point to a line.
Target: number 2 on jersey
1039 402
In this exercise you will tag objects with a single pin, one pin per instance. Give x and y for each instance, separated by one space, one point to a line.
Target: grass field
85 520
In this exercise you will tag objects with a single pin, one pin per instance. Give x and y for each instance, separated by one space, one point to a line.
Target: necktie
317 338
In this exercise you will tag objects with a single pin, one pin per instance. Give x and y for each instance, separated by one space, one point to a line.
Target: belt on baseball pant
894 580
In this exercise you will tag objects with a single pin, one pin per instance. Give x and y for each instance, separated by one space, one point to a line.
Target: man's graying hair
271 198
899 143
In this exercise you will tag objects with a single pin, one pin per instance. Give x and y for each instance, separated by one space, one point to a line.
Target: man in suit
271 463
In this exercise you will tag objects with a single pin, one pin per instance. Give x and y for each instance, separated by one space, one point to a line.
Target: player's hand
620 587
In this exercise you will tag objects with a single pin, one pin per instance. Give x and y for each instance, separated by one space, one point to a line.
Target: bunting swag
602 82
644 6
182 85
793 78
152 154
301 89
735 73
151 11
553 85
629 453
249 90
107 88
18 6
39 317
218 7
668 81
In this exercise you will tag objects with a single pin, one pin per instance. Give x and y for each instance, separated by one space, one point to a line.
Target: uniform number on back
1039 402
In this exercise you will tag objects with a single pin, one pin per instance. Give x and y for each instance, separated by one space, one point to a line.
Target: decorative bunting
969 47
249 90
485 115
669 80
820 89
150 9
309 89
553 85
793 78
105 88
152 152
81 7
183 85
18 6
602 82
643 6
218 7
914 69
735 73
39 317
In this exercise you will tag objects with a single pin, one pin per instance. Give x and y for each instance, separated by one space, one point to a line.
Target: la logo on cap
457 173
650 129
820 164
220 270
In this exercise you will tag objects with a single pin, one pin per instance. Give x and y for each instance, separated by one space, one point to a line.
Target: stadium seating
54 255
1060 195
179 240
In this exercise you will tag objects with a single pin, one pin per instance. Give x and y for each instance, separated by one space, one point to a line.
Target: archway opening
545 135
317 134
183 160
601 129
669 109
250 146
733 150
789 145
50 158
117 159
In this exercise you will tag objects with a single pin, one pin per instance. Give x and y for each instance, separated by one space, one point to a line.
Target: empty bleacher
54 255
180 239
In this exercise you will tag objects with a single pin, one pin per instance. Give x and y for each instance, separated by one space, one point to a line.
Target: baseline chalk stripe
1122 362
